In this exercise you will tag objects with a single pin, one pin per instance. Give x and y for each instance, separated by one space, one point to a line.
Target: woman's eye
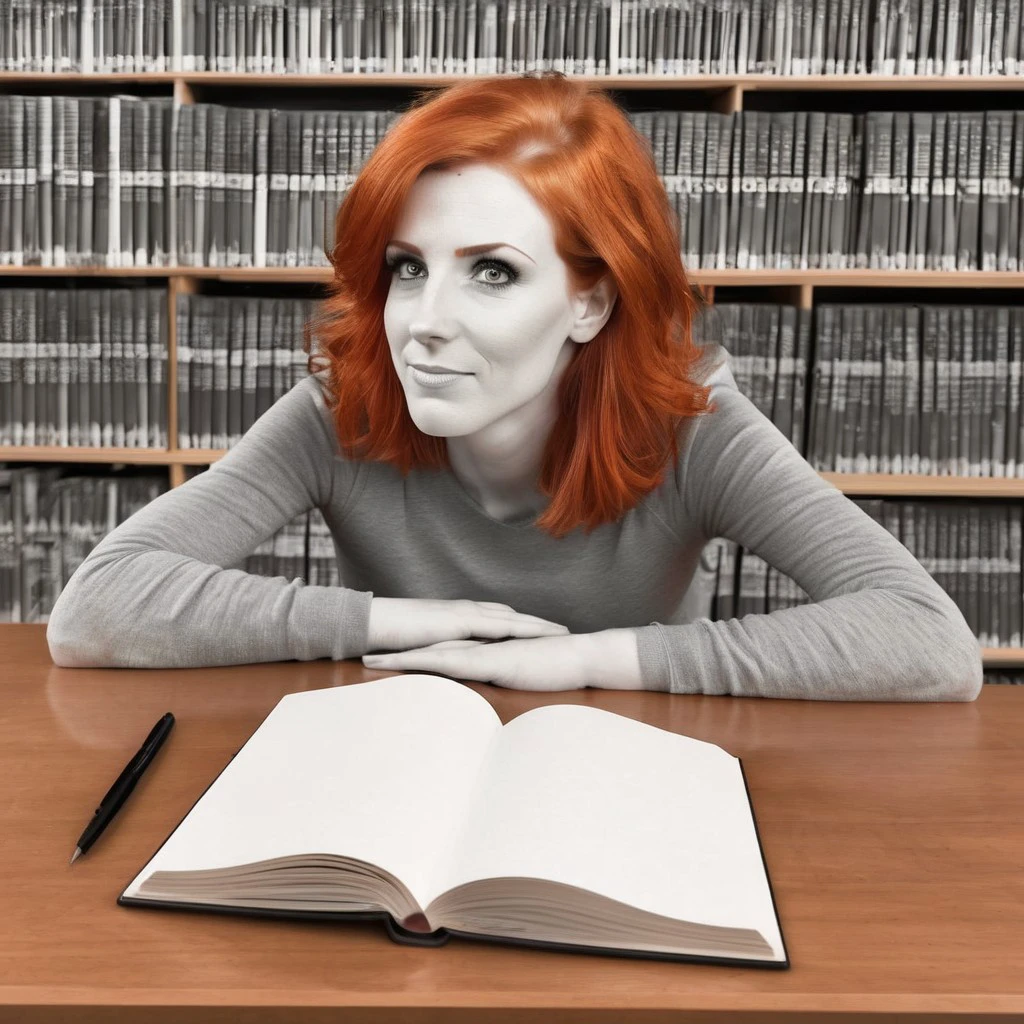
497 267
400 261
487 269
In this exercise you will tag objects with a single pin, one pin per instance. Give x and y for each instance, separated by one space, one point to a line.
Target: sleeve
158 590
879 627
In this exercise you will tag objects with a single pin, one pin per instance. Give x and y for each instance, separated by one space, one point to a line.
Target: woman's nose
434 308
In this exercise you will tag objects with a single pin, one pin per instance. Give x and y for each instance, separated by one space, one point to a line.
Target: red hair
625 393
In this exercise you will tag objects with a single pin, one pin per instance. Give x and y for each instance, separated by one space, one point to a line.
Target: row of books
51 517
84 367
670 37
972 551
88 367
995 676
236 357
868 388
121 181
917 190
919 389
298 165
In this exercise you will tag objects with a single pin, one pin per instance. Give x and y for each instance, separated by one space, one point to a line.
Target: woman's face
478 338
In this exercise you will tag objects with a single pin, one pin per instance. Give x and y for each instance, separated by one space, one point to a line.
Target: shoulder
736 462
732 410
300 421
714 368
304 409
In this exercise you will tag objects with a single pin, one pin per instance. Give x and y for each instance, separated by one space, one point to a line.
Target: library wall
847 177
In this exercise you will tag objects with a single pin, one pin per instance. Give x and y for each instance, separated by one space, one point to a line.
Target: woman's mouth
439 378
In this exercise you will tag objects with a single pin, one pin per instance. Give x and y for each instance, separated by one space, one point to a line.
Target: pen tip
75 855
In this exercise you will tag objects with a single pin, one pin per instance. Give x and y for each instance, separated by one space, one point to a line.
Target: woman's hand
607 660
402 623
539 663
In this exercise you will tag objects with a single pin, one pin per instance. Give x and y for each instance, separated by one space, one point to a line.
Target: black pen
125 783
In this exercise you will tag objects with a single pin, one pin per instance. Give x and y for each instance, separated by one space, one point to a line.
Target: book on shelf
494 36
406 799
125 181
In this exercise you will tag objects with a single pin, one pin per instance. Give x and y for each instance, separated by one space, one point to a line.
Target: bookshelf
737 84
725 94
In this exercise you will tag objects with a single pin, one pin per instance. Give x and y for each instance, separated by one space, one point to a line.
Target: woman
514 438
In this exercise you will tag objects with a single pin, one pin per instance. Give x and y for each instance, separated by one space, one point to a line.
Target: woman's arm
157 592
880 627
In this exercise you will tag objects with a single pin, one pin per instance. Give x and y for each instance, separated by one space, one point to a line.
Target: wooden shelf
1003 657
10 270
916 485
862 278
77 78
959 279
258 274
751 83
120 456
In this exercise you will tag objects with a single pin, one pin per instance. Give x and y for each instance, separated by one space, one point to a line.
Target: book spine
233 399
215 252
234 188
32 255
113 121
156 354
200 186
139 361
220 343
141 118
106 371
114 312
129 382
127 176
183 339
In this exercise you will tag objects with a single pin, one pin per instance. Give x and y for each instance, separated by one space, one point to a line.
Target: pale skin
507 321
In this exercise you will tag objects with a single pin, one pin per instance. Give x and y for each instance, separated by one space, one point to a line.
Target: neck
499 467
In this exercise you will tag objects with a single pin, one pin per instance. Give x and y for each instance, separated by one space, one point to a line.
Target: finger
461 664
517 625
511 615
528 629
439 646
513 630
443 644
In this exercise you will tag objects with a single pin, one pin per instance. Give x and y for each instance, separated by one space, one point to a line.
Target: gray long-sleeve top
160 590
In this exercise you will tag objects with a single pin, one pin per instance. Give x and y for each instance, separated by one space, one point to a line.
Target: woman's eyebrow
469 250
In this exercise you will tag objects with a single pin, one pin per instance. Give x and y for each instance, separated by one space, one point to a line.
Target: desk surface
894 836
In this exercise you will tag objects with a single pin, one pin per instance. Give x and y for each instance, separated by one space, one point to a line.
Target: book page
641 815
380 771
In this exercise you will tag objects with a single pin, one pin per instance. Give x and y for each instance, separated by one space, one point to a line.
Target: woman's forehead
470 206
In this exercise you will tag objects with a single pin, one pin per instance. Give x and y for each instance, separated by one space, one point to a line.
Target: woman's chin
439 426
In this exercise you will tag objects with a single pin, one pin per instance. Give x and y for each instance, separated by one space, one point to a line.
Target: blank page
641 815
379 771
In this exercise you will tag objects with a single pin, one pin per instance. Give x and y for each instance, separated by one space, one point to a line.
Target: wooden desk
894 835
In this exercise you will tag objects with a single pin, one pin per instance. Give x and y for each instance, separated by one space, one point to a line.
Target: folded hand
535 663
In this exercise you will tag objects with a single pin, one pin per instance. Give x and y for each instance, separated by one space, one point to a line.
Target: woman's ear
594 307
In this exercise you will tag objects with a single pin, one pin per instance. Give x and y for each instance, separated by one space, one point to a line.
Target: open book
406 799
